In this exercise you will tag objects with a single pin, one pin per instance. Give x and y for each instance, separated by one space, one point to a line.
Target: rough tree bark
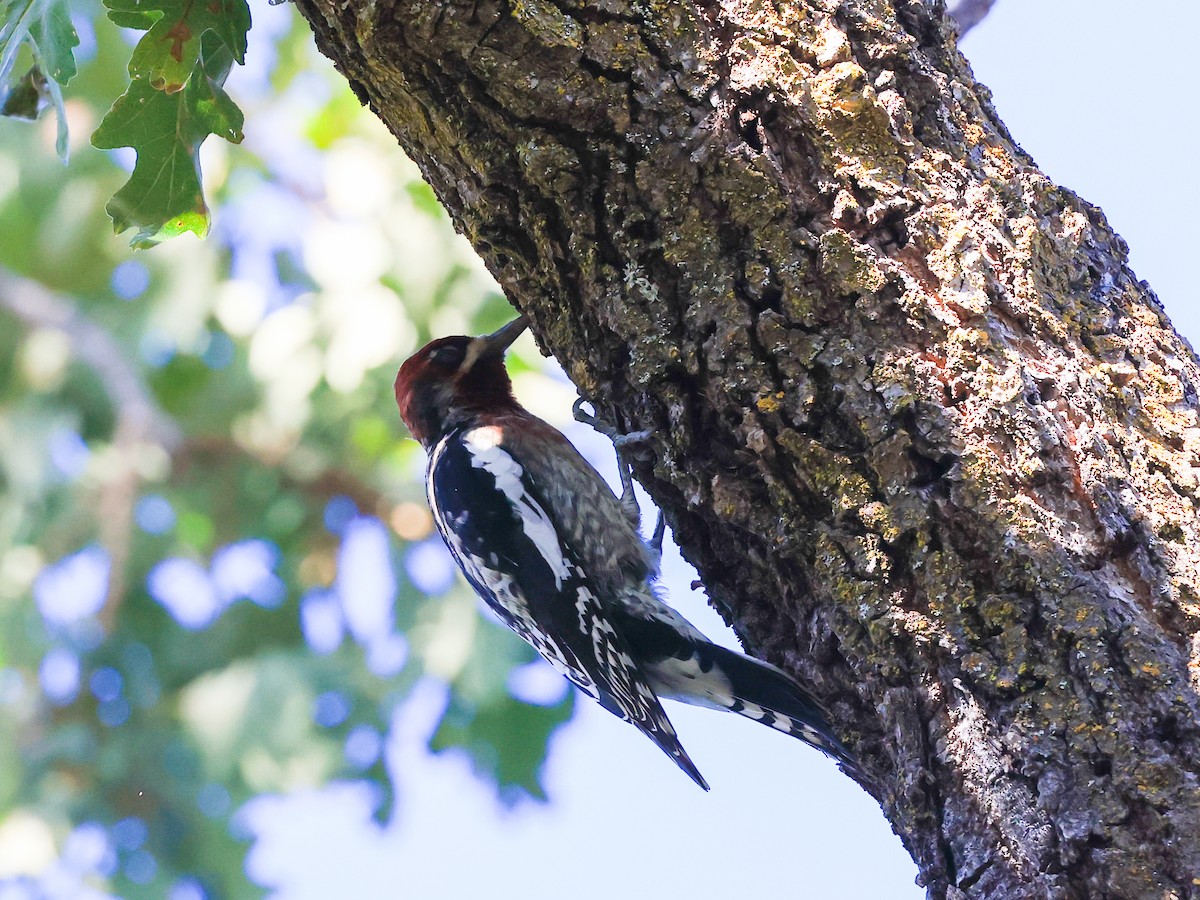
931 444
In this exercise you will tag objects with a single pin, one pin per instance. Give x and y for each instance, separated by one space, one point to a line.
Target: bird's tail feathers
769 695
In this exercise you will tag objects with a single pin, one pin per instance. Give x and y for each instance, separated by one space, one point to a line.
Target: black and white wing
507 543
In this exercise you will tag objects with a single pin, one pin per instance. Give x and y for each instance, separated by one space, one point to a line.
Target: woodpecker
549 547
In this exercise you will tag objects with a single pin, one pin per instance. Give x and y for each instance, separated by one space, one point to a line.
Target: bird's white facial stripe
486 453
475 350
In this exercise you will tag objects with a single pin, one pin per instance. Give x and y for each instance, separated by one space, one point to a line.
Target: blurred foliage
217 573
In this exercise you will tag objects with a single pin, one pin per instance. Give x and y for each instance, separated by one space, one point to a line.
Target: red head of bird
453 378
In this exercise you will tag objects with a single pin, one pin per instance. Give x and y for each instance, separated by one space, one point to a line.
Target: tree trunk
930 443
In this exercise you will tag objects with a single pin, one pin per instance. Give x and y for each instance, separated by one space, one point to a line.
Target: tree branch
139 421
137 412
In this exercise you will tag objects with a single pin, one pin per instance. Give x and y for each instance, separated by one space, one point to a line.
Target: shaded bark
930 443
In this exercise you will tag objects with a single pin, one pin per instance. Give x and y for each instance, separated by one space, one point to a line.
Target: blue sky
1101 98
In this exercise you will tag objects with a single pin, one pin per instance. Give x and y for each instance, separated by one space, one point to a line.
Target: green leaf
55 39
167 55
18 17
163 197
45 25
61 146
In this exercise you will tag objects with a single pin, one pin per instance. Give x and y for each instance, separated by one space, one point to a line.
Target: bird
551 549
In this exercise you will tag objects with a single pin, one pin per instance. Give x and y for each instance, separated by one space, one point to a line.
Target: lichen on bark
931 444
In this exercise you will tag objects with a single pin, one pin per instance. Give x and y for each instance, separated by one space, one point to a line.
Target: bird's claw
587 418
656 539
619 439
622 443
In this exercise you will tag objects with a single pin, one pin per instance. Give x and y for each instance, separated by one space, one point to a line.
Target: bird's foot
656 540
620 441
623 443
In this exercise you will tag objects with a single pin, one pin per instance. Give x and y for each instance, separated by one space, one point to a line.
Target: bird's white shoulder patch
485 437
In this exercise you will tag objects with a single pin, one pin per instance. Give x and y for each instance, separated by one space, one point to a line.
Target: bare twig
139 419
327 483
40 308
969 13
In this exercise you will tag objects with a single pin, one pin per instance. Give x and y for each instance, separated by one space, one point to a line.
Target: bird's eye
449 356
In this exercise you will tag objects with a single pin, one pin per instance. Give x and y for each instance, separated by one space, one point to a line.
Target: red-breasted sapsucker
549 547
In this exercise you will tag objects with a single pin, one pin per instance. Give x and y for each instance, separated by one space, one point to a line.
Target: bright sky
1098 95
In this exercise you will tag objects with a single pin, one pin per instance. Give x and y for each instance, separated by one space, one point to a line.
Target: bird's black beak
498 341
